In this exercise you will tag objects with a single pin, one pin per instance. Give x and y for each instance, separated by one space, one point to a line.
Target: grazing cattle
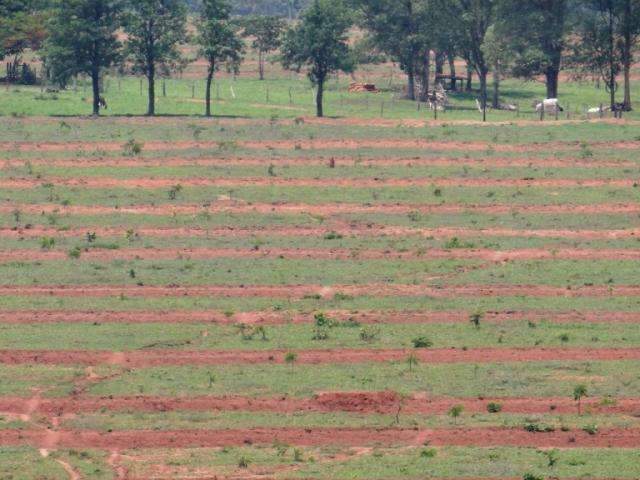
501 106
550 105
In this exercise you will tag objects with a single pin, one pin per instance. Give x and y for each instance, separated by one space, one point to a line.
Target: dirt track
347 144
299 291
156 183
225 161
324 254
341 228
326 210
153 357
616 438
326 402
277 318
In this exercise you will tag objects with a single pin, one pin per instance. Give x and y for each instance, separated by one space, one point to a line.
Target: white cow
550 105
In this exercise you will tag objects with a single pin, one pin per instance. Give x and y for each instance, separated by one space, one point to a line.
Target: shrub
531 476
320 333
174 191
537 428
591 429
369 334
47 243
243 462
91 237
290 358
75 252
475 319
333 236
132 148
455 412
494 407
422 342
428 453
322 320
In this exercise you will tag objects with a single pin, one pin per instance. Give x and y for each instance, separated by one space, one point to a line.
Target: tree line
495 38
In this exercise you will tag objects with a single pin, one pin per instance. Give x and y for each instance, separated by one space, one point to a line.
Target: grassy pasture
240 148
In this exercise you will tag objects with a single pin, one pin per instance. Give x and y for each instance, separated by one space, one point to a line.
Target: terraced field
243 299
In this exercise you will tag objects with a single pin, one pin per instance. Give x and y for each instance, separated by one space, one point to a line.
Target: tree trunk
411 85
469 85
95 83
452 71
482 74
424 77
627 55
319 98
440 63
208 91
151 78
261 64
496 88
612 65
551 76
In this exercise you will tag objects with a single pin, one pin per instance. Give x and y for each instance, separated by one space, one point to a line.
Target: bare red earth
277 318
226 160
299 291
337 144
325 254
326 402
342 228
155 183
158 357
328 210
480 437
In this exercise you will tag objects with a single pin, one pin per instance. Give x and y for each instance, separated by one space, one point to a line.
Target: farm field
292 298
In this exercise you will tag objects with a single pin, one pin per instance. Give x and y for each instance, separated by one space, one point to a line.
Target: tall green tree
537 31
630 31
219 43
266 32
472 20
22 27
598 45
320 43
83 39
155 29
402 29
498 53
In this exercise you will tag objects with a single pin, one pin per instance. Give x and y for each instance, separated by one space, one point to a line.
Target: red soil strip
277 318
326 402
342 228
480 437
224 161
156 183
159 357
343 144
326 210
299 291
325 254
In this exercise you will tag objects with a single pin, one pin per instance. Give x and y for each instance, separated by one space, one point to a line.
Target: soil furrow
155 183
281 318
340 228
480 437
325 402
324 254
226 206
340 161
162 357
319 291
316 144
